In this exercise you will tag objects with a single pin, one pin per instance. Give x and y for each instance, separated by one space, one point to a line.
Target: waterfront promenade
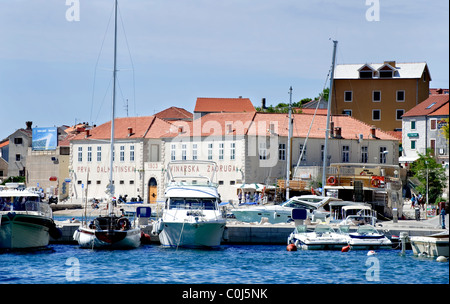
256 233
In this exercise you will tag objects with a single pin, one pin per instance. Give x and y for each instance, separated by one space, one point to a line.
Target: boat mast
111 160
327 130
288 160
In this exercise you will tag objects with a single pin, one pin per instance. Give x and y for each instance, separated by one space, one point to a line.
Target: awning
407 159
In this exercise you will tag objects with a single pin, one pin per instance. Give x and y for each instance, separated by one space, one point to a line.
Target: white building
138 157
422 127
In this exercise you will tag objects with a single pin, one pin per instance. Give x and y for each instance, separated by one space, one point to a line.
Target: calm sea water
239 264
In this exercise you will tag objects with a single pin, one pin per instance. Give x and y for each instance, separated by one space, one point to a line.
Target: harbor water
230 264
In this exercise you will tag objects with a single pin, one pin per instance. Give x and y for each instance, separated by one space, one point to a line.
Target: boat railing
27 207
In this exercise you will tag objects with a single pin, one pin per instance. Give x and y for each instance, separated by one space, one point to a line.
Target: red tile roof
428 106
262 124
442 111
223 105
128 127
174 113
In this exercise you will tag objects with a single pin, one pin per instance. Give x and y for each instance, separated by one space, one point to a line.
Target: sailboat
110 231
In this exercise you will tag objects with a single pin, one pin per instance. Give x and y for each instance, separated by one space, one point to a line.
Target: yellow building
379 93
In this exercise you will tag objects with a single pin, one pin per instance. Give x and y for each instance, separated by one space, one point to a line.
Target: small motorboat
367 237
323 237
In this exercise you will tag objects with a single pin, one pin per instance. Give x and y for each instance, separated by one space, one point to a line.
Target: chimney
373 132
29 124
263 104
332 129
130 131
338 132
88 133
391 63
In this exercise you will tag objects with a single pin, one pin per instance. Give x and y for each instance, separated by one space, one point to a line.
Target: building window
262 150
376 96
183 152
386 74
172 152
400 95
348 96
304 152
364 154
99 153
18 157
281 151
433 146
366 74
18 140
413 145
376 114
383 153
433 124
347 112
132 153
131 182
194 151
399 114
220 151
232 151
80 154
345 154
122 153
210 151
89 154
413 124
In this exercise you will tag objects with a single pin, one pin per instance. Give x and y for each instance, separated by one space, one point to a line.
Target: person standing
413 200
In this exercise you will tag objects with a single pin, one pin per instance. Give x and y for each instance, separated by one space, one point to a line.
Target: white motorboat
432 245
25 221
110 231
317 207
191 217
323 237
367 237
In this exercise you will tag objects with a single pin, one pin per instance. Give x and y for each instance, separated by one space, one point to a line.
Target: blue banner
44 139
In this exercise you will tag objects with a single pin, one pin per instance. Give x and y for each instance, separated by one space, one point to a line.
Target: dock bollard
403 237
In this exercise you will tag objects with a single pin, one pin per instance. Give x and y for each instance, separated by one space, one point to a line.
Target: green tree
436 175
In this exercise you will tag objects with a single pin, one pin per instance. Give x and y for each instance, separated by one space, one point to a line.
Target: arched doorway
152 190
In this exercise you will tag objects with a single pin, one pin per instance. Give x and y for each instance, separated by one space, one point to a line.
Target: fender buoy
291 247
345 248
145 238
376 181
371 252
332 180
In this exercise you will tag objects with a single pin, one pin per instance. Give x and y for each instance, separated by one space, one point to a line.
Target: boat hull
21 231
430 246
107 239
192 234
369 242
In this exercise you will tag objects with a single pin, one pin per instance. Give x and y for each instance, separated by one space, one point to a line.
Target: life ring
376 181
332 180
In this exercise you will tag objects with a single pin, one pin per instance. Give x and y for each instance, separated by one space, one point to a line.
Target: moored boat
191 217
25 221
432 245
323 237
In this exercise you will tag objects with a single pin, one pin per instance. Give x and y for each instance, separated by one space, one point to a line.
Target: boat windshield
297 204
193 203
366 229
323 229
17 203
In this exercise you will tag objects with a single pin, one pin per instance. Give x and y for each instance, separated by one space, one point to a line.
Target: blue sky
56 72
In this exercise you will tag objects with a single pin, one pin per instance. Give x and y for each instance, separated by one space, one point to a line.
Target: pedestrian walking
443 218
